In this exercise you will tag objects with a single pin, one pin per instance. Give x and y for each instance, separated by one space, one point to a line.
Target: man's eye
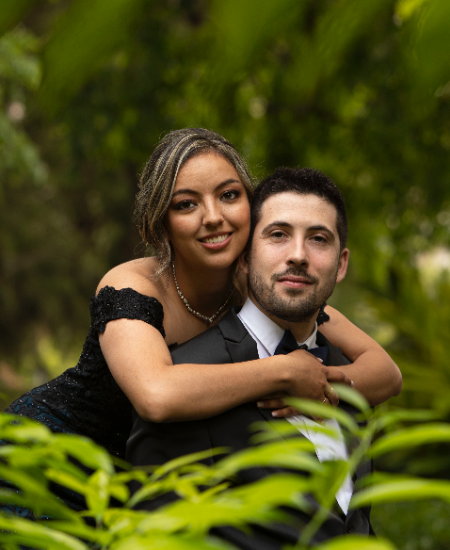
278 234
184 205
319 239
230 195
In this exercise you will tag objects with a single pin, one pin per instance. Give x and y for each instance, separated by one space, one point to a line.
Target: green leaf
398 491
88 34
237 506
86 451
181 461
12 12
29 533
352 396
97 497
293 453
356 542
411 437
23 430
311 408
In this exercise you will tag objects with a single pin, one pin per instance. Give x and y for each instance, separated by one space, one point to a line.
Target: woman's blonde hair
158 179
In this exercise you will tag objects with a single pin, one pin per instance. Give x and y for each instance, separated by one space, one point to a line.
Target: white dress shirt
267 335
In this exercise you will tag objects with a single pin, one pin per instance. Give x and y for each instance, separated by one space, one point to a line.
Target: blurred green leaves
88 34
208 497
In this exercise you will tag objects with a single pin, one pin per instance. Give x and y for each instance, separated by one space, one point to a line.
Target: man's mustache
295 273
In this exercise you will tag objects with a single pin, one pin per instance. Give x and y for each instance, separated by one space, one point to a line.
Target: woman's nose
213 214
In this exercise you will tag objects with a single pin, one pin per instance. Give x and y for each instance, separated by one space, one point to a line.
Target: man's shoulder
335 356
225 342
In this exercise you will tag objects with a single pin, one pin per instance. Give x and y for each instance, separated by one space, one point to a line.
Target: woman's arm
140 362
372 370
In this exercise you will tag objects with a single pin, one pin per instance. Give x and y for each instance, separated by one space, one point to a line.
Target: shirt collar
266 330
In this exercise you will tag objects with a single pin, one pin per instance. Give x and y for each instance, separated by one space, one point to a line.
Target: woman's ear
243 261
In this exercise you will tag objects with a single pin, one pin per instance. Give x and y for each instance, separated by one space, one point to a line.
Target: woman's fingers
271 403
331 395
285 412
337 376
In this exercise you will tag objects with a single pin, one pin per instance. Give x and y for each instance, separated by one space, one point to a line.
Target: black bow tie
288 343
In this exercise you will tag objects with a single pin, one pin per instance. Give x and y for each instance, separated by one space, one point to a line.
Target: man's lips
295 282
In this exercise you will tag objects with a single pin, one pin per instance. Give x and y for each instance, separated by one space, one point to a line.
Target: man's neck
301 330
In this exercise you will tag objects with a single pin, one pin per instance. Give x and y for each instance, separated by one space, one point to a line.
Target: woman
193 209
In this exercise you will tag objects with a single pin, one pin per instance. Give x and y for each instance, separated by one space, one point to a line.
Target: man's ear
243 261
343 264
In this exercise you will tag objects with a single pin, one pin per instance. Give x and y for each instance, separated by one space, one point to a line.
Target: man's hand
310 380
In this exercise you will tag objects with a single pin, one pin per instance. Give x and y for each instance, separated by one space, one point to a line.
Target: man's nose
212 213
298 252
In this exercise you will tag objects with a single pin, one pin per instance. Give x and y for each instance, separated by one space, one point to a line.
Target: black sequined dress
86 400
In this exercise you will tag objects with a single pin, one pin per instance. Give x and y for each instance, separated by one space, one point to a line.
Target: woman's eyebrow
192 192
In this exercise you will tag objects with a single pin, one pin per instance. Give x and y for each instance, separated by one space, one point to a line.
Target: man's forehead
298 209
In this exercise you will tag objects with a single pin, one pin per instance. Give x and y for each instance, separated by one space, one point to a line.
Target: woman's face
209 217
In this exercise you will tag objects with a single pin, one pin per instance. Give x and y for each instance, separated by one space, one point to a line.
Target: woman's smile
216 241
208 220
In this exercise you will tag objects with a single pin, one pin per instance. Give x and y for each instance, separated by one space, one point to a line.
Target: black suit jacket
154 444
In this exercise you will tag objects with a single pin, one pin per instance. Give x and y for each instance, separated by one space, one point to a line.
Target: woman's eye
230 195
184 205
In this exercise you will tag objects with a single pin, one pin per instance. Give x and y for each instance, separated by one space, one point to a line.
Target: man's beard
296 305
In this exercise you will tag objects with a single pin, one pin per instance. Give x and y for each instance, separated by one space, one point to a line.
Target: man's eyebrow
320 228
192 192
276 224
284 224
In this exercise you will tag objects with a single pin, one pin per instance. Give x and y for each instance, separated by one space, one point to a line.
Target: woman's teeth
213 240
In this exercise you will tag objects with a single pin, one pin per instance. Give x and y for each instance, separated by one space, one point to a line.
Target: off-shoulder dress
85 399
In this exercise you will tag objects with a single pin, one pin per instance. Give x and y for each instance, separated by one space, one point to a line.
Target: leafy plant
32 457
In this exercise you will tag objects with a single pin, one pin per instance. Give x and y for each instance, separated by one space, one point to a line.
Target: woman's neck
205 290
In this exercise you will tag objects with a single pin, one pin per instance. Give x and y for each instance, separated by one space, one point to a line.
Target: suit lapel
242 347
240 344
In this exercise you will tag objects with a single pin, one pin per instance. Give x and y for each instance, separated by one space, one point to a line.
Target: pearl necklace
209 320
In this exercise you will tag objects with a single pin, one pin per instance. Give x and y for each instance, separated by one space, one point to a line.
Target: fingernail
319 359
352 383
260 403
274 413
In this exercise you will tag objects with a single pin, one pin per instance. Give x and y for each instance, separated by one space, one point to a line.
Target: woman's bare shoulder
138 275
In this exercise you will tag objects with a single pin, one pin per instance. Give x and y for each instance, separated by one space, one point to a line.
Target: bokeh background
359 89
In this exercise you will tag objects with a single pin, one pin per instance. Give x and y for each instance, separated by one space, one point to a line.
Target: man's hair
305 181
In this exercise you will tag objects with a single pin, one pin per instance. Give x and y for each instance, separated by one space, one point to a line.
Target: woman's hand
375 374
310 380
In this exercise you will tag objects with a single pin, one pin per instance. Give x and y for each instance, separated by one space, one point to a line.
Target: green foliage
32 457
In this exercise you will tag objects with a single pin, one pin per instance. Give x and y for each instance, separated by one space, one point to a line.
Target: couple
193 209
295 255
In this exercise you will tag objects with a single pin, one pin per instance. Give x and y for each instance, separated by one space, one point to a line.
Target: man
295 256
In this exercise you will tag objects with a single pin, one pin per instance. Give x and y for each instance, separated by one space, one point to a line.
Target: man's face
295 261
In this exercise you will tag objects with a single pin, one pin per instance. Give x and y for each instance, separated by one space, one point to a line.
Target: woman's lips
216 242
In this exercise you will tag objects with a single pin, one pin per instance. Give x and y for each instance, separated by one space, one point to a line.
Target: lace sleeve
322 317
126 303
